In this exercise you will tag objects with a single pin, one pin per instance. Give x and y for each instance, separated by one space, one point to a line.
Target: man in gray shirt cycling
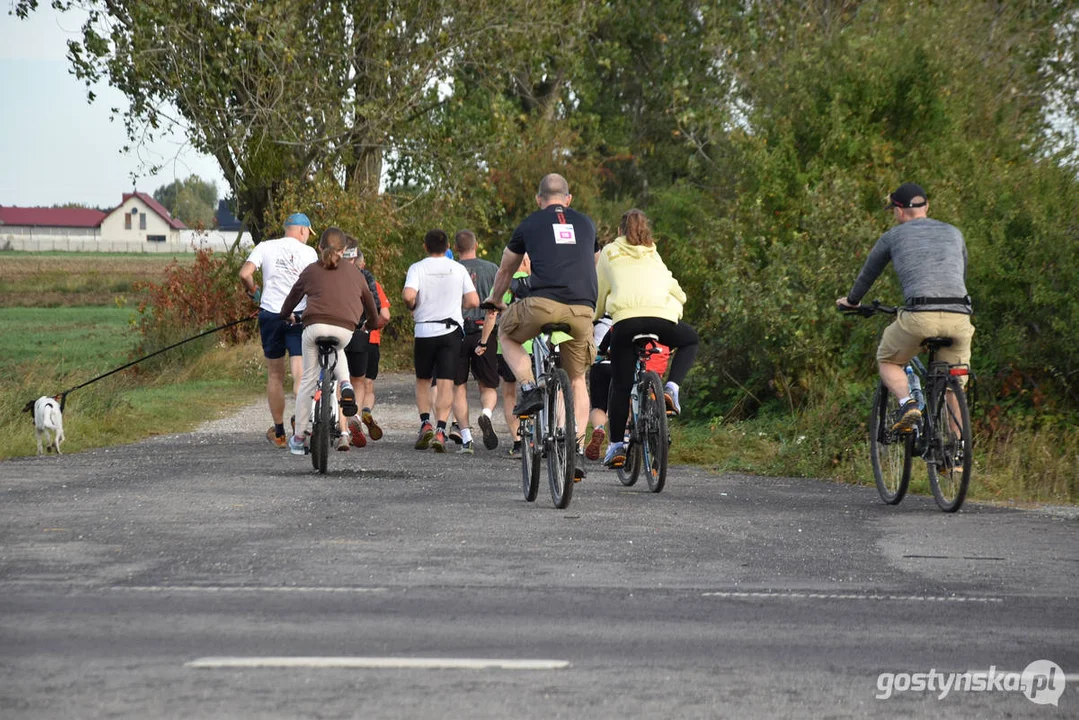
930 259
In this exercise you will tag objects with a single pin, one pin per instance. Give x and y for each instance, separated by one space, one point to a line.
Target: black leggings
679 337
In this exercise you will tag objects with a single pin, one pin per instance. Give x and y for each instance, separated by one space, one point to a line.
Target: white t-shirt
440 283
281 262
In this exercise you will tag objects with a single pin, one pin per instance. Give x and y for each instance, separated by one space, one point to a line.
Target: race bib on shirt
564 235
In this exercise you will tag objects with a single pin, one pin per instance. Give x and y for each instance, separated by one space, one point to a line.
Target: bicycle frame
327 363
635 399
643 427
544 359
325 399
926 444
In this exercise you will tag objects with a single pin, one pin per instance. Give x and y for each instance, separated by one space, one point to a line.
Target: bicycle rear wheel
654 431
320 430
530 460
891 452
561 438
631 469
951 459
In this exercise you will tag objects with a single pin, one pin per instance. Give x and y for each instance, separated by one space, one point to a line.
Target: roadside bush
192 299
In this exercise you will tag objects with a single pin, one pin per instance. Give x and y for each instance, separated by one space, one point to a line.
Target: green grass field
76 279
77 330
65 341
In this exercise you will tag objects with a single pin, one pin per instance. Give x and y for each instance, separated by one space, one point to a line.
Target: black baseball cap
904 196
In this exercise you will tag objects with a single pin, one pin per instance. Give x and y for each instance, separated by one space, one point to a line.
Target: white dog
47 418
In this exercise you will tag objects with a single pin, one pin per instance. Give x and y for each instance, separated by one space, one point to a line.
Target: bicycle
325 430
648 438
942 437
551 432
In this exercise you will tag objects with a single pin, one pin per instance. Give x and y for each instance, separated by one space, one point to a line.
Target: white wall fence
85 240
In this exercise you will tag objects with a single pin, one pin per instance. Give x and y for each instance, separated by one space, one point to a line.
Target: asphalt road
209 575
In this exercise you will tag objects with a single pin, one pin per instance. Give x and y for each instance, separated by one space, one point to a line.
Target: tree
193 201
281 90
841 102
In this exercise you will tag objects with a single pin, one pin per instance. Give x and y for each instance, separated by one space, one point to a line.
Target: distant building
24 224
138 224
225 219
140 218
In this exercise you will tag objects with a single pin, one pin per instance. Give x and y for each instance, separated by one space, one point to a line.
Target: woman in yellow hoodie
638 291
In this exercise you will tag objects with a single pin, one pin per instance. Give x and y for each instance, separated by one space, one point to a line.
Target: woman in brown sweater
337 297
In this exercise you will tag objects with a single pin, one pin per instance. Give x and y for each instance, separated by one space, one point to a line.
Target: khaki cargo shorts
902 340
523 319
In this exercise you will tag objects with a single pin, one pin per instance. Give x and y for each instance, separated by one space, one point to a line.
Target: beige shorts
523 319
902 340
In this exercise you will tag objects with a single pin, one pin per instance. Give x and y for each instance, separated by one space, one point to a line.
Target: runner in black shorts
436 289
356 353
484 365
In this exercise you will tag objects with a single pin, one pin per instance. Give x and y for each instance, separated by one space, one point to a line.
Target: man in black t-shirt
562 245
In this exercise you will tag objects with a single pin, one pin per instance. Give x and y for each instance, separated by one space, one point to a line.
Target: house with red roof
138 223
140 218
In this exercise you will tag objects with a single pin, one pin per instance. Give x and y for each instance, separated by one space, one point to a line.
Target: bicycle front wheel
320 431
891 452
530 460
951 459
561 438
654 431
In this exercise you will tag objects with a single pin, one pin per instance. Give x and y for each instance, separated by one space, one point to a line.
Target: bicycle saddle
326 343
936 343
550 328
645 338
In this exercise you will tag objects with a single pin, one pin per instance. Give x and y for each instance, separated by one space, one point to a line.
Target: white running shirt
440 284
281 262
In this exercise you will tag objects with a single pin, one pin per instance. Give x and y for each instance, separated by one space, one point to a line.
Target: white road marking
242 589
381 663
852 596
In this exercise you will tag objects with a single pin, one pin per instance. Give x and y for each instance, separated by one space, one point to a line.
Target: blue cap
298 219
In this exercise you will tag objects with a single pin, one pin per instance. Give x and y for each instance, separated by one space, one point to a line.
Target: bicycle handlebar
876 308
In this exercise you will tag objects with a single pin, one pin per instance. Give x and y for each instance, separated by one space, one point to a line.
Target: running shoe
455 433
342 443
372 427
423 440
278 441
616 455
907 417
355 431
490 440
528 400
670 396
515 451
296 445
348 400
467 448
599 436
439 442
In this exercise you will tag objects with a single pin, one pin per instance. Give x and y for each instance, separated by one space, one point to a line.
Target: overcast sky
55 147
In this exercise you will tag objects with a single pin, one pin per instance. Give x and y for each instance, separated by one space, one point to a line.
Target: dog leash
62 397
